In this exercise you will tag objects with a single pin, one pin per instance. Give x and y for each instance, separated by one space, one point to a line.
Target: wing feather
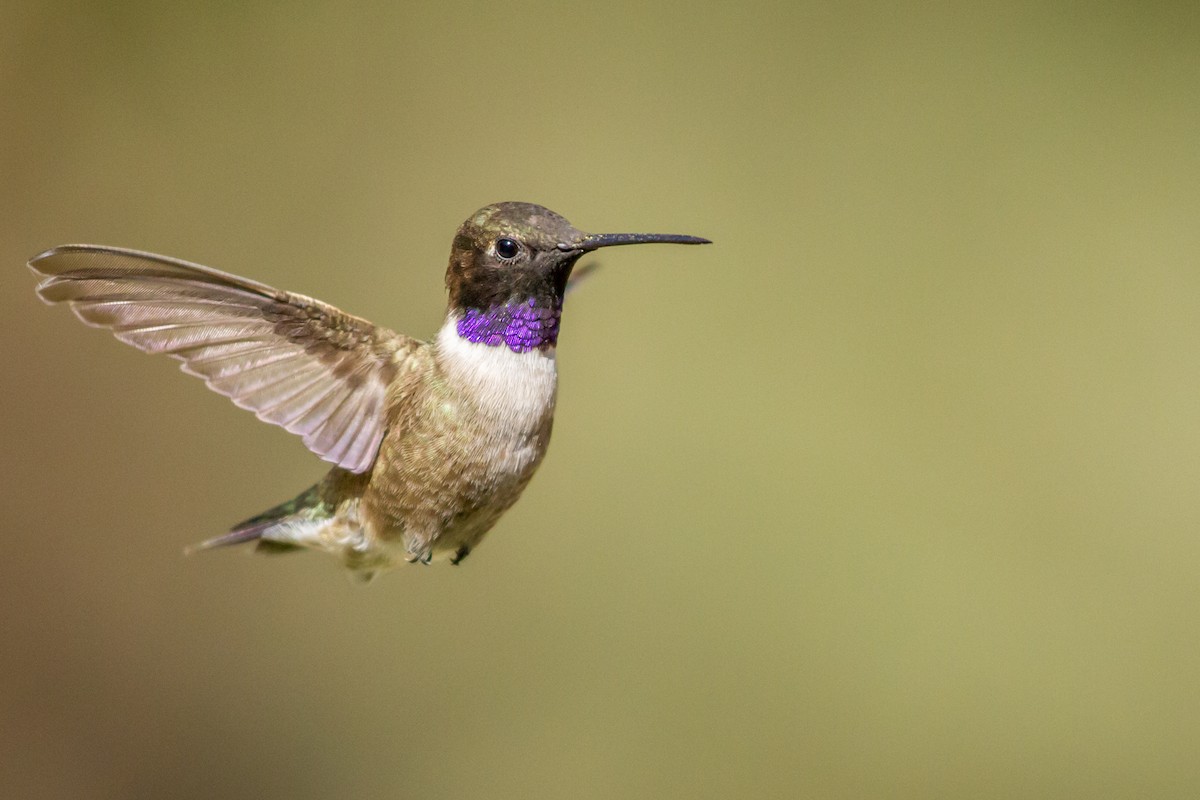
127 313
217 364
294 361
352 416
170 338
286 410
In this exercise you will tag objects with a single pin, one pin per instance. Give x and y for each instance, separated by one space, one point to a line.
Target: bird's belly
455 499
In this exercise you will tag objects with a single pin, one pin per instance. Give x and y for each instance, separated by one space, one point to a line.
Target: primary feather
294 361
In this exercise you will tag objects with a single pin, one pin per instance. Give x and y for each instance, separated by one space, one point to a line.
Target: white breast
518 389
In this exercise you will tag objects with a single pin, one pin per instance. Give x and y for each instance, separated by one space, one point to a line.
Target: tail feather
257 528
239 535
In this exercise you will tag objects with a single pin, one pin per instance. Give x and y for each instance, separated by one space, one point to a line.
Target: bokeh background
892 492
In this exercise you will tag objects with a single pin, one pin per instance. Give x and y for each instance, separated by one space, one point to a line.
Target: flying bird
430 441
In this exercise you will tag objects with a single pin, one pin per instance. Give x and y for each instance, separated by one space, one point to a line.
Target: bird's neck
519 325
514 385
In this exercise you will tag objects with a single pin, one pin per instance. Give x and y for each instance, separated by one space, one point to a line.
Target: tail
304 507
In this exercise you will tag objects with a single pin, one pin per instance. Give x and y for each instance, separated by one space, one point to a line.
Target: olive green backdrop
894 491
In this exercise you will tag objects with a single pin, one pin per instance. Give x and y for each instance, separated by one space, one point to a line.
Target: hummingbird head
509 266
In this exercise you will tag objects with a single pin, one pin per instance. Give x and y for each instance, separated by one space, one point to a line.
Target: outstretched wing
292 360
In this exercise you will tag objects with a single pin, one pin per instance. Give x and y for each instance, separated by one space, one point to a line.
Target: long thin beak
594 241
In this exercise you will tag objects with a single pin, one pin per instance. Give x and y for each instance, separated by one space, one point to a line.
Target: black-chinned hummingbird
431 441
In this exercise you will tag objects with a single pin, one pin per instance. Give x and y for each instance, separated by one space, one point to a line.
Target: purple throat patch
520 327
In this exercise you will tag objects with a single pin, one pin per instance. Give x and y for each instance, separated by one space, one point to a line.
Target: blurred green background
892 492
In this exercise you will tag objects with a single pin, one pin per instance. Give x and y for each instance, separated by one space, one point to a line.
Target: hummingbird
431 441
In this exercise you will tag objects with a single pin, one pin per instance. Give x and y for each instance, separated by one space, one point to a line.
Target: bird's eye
507 248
